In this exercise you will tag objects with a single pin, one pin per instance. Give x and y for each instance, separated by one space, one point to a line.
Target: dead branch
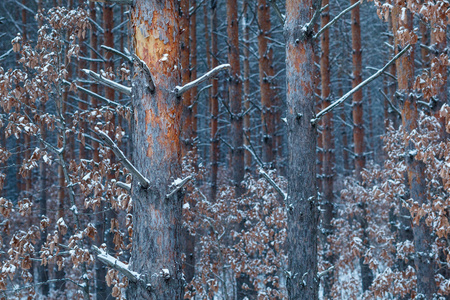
145 183
335 19
358 87
179 90
179 185
109 83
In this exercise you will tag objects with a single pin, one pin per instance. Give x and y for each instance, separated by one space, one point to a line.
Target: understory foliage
244 235
391 213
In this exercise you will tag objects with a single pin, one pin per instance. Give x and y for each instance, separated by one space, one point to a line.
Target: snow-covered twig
359 86
116 264
277 11
390 103
115 51
335 19
267 177
178 185
123 185
136 174
109 83
323 273
179 90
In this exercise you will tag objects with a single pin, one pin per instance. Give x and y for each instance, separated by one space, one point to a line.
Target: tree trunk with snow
157 234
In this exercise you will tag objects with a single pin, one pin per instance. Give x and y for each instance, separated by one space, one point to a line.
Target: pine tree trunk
215 150
246 20
302 201
426 285
157 234
327 146
187 134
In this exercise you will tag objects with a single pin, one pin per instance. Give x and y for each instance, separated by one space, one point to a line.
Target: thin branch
146 69
390 103
123 185
179 90
112 84
335 19
277 11
323 273
145 183
116 264
92 94
384 73
359 86
115 51
179 185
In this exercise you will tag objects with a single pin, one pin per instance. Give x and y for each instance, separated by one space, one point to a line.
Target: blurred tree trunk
187 118
157 235
265 60
302 201
247 132
415 168
327 147
215 150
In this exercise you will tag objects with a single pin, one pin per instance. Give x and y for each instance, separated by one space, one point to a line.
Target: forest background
311 161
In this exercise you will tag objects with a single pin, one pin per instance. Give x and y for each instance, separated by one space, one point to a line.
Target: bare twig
179 90
92 94
145 183
112 84
277 11
145 68
358 87
179 185
390 103
115 51
335 19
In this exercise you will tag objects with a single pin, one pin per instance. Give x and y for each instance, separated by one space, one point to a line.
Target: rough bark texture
327 144
215 150
265 60
302 198
157 234
426 285
235 96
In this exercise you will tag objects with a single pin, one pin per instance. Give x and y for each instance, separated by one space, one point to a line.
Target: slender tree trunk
246 29
265 54
215 150
302 195
426 285
235 96
157 234
327 146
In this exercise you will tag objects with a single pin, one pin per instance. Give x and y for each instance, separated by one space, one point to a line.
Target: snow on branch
117 52
123 185
179 90
116 264
266 176
335 19
136 174
178 185
109 83
359 86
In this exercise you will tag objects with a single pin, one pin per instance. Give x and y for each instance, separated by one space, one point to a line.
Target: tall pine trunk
301 204
157 234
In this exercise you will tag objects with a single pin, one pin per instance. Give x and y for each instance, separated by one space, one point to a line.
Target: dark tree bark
215 150
265 60
246 50
327 145
235 96
302 195
157 234
187 129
